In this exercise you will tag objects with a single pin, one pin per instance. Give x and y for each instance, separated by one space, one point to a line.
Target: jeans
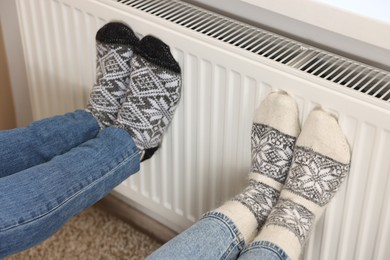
215 236
23 148
53 170
59 166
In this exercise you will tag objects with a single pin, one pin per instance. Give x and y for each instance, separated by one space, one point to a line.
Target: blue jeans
215 236
53 170
59 166
23 148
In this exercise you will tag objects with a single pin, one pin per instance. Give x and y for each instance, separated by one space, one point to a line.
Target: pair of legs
37 201
294 175
59 166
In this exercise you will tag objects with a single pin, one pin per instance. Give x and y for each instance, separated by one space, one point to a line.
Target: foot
274 132
154 93
114 46
320 165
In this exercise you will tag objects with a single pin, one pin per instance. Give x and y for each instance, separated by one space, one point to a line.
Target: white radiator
228 68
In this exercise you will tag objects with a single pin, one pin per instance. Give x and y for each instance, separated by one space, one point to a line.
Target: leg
223 233
23 148
213 237
274 133
36 202
114 48
154 93
42 140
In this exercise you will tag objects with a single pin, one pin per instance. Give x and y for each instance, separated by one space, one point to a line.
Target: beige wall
12 43
7 112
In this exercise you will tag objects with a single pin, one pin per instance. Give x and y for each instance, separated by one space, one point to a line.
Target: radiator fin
354 75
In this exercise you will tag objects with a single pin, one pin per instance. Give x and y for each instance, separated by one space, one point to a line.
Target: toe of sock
322 133
279 111
116 33
157 52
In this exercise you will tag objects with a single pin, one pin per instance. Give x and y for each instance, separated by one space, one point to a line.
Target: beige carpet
94 234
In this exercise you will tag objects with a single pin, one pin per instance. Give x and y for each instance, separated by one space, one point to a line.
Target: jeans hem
266 245
238 237
100 125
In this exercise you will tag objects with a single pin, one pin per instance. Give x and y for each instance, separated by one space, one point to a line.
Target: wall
15 61
7 113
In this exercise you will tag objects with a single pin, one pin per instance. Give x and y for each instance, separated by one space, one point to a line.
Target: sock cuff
287 241
116 33
156 51
242 218
293 216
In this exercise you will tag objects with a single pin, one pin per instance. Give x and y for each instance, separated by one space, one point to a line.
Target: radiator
228 67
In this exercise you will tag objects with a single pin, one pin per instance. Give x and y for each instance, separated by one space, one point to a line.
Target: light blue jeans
215 236
59 166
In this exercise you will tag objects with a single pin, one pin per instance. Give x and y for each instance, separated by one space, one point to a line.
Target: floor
94 234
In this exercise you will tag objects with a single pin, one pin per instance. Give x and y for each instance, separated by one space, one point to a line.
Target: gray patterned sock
114 48
274 133
320 164
153 95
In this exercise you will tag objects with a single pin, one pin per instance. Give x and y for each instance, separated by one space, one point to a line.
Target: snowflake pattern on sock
314 176
113 74
292 216
272 152
259 198
150 104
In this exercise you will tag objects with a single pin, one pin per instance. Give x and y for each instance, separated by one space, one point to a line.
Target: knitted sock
114 48
320 164
154 92
274 133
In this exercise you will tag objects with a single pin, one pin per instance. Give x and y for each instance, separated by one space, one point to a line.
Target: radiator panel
205 156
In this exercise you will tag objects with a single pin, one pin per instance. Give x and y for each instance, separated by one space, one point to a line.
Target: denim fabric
263 250
23 148
37 201
213 237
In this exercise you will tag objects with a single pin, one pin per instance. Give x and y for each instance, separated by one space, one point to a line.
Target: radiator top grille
337 69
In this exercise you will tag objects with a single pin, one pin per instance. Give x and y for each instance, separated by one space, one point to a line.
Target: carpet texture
94 234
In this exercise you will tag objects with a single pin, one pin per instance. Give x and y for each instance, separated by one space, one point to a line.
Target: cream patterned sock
320 164
114 48
274 133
